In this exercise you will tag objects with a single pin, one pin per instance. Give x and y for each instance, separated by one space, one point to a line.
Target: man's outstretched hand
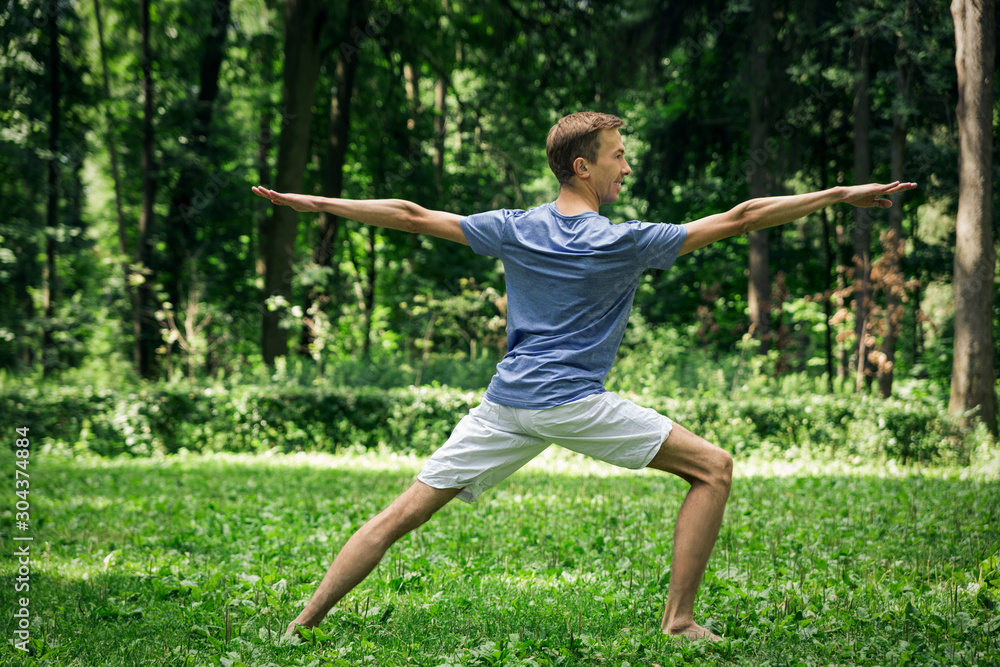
866 196
297 202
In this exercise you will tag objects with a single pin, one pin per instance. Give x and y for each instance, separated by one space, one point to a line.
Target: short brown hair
576 135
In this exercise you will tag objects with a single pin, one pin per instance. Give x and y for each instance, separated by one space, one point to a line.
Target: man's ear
580 167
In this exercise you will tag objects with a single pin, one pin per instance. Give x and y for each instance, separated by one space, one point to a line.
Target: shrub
289 417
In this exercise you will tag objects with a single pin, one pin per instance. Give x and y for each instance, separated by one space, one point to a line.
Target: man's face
610 170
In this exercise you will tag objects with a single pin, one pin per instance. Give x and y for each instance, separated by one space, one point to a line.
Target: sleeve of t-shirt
658 244
485 231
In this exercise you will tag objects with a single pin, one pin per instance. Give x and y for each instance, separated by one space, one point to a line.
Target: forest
133 250
204 393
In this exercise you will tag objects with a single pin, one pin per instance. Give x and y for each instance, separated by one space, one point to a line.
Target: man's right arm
387 213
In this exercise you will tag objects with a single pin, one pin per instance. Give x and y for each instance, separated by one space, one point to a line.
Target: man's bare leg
366 547
708 469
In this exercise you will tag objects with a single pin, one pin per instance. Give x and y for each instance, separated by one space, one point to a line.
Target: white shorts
493 441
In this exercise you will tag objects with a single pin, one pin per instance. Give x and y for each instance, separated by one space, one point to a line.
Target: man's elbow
414 217
742 218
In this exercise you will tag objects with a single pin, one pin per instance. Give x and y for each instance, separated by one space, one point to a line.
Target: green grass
203 560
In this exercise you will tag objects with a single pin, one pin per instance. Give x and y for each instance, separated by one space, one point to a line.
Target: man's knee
411 518
723 468
410 511
718 471
694 459
395 522
388 527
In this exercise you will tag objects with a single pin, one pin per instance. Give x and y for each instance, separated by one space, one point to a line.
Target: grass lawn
203 560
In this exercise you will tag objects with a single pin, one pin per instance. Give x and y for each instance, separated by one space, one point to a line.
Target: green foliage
284 418
508 72
287 416
202 560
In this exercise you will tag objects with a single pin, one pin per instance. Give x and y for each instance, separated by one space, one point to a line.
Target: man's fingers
870 195
899 187
264 192
268 194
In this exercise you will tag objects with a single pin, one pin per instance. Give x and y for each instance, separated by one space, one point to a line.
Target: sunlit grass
202 560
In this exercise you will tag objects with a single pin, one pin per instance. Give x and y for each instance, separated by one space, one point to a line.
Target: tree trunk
264 144
197 183
336 153
972 378
303 26
892 280
759 288
843 290
828 277
412 78
440 117
369 288
364 285
49 288
862 217
144 325
113 155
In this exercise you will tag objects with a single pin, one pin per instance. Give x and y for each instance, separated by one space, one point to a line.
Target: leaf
386 614
993 625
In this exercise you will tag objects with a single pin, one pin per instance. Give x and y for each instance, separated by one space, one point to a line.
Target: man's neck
574 202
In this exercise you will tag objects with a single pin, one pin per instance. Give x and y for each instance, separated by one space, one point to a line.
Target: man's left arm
767 212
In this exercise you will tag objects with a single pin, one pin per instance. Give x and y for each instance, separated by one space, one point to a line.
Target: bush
826 425
260 418
169 419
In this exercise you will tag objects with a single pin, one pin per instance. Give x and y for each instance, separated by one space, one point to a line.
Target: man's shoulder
496 215
541 212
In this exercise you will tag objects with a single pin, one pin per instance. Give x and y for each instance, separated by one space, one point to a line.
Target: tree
116 179
304 21
338 133
759 291
50 279
890 274
187 202
144 326
972 379
44 263
862 217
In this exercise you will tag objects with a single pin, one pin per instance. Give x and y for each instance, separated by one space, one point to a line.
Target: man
571 276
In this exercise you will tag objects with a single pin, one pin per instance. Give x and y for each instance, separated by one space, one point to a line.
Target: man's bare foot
694 632
295 628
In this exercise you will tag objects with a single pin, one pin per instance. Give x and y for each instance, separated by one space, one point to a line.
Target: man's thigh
485 448
606 427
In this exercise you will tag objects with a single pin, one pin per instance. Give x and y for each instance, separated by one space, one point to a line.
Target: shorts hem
468 494
666 428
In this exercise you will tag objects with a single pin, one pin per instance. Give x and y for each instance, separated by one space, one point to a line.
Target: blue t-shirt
570 283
